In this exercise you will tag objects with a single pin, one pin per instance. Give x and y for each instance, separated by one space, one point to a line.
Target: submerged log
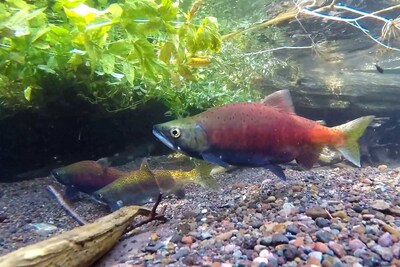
81 246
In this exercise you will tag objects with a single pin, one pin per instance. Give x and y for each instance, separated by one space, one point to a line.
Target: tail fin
353 130
203 175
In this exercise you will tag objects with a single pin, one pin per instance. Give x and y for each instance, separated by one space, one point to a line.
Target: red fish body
86 176
264 131
260 135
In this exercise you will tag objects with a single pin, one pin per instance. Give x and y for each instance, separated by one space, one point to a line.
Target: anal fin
309 156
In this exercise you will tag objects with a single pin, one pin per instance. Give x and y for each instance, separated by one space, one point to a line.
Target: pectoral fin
71 192
277 170
116 205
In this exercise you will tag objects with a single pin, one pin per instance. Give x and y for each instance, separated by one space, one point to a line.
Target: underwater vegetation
115 55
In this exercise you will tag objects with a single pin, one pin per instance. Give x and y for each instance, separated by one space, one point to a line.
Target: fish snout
54 173
59 176
159 131
98 197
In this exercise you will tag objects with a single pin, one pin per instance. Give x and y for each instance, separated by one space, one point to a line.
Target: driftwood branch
390 27
81 246
65 205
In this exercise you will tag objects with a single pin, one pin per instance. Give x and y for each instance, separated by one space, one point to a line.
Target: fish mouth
55 175
164 139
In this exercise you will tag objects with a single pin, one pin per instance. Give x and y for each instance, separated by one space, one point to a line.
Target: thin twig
153 216
65 205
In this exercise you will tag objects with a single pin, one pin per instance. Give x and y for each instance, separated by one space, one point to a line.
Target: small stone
265 253
395 211
258 248
298 242
380 205
341 214
266 241
313 262
316 254
316 212
371 260
153 236
324 236
359 229
237 253
270 199
187 240
359 253
205 235
355 244
151 249
249 242
382 167
337 249
293 229
297 188
385 240
229 248
257 262
385 253
224 236
322 222
321 247
278 239
368 216
395 262
396 250
330 261
358 208
350 260
182 252
289 252
43 228
272 262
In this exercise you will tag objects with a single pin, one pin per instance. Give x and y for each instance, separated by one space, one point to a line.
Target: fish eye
99 196
175 132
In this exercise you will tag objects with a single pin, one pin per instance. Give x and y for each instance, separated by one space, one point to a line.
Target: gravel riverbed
323 217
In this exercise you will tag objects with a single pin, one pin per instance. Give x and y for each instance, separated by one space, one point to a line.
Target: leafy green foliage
122 54
113 55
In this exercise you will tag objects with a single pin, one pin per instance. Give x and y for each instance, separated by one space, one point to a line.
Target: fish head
184 135
61 175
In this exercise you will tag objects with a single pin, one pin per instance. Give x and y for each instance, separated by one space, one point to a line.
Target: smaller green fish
144 185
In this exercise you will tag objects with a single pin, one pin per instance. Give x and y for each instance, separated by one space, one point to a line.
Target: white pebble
265 254
257 261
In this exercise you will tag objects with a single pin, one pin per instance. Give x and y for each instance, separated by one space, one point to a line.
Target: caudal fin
203 175
353 131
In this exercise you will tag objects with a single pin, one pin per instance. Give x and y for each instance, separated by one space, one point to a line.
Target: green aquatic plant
109 54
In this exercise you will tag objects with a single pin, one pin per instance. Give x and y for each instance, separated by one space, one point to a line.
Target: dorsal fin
144 166
104 163
280 100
